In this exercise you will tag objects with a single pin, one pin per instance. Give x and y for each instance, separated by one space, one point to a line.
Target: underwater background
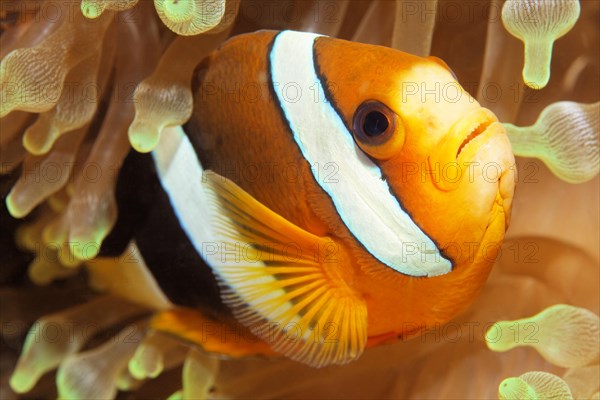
550 256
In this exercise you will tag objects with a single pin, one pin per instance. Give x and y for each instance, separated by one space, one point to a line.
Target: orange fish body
342 194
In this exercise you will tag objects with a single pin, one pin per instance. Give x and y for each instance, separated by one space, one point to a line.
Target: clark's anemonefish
325 196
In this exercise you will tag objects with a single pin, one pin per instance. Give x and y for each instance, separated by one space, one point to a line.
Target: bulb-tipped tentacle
190 17
538 23
565 137
564 335
74 326
165 98
94 8
32 79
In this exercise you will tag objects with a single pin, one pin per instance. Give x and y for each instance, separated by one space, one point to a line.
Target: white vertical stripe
181 176
360 195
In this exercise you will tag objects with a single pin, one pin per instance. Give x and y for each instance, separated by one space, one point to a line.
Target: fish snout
478 149
461 144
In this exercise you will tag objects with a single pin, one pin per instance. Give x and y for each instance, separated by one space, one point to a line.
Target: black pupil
375 123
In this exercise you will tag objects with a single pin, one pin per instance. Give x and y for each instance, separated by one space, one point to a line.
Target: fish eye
375 123
378 131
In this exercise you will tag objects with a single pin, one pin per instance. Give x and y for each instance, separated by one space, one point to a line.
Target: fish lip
468 128
467 132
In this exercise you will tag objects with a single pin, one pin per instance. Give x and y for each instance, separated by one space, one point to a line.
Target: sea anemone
85 82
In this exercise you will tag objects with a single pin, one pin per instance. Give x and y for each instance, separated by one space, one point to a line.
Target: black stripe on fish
146 215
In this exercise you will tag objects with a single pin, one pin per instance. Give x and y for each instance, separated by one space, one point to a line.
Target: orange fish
325 196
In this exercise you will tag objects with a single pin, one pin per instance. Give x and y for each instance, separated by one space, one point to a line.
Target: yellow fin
282 282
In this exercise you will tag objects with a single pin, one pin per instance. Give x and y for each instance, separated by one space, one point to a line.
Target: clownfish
325 196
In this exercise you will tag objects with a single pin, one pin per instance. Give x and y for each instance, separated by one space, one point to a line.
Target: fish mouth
461 143
469 127
479 129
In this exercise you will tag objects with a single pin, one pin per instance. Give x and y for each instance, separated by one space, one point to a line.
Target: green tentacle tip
13 207
87 249
39 138
144 137
22 381
160 101
562 334
533 386
92 8
566 137
538 23
85 245
176 396
37 357
147 362
190 17
515 388
87 238
180 11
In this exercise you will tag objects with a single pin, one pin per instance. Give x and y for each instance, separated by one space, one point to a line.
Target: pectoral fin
282 282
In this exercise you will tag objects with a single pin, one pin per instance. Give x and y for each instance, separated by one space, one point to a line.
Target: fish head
455 173
448 162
